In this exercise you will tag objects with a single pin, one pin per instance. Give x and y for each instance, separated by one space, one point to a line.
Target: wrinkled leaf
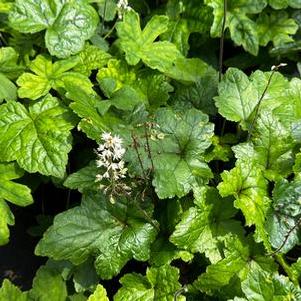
111 233
68 24
38 137
159 284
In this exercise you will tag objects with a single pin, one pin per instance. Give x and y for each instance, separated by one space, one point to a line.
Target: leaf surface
68 24
38 137
159 284
111 233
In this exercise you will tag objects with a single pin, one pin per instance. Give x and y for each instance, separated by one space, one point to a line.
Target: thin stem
179 292
222 39
110 31
4 42
135 144
148 147
221 56
274 69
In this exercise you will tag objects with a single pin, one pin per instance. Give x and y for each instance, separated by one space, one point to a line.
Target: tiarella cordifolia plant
170 134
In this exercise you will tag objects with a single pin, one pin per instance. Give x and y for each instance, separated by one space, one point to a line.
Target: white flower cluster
109 155
122 6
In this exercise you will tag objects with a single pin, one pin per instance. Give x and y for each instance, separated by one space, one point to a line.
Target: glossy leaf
8 91
99 294
47 75
179 164
38 137
9 292
242 28
240 260
139 45
68 24
283 219
276 27
159 284
111 233
203 227
261 285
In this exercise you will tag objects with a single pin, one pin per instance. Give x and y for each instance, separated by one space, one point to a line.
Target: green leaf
159 284
112 233
273 145
9 292
242 28
83 179
68 24
240 259
163 252
48 285
88 107
107 9
15 193
283 219
155 86
249 187
239 95
91 58
5 7
126 99
280 4
203 227
139 45
100 294
261 286
188 70
200 94
49 75
190 16
85 277
38 137
289 108
276 27
6 218
8 91
115 76
179 164
9 65
12 192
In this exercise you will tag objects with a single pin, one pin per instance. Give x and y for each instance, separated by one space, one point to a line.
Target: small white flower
107 153
106 175
122 6
98 178
99 163
106 136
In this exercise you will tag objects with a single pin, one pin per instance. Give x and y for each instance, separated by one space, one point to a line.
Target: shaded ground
17 260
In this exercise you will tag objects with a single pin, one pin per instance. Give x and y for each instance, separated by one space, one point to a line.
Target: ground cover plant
165 137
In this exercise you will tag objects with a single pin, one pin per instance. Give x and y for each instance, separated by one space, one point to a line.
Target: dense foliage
189 174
